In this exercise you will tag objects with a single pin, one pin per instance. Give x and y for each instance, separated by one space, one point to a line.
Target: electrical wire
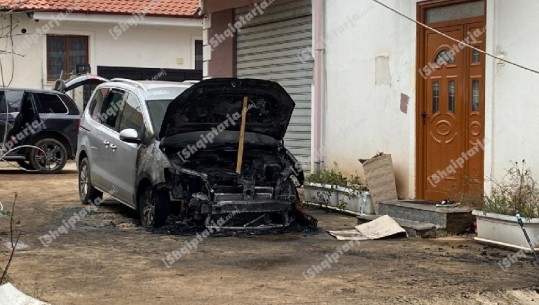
456 40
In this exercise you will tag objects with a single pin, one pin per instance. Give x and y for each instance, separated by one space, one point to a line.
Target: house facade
451 116
138 39
261 39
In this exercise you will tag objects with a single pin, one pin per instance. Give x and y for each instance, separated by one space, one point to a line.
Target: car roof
149 89
31 90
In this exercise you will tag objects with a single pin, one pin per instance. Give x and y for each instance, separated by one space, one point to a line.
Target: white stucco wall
513 105
363 118
146 46
362 115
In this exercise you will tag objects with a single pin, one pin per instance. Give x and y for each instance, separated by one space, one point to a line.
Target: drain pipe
319 83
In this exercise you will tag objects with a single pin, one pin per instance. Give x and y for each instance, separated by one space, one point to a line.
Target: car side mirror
130 136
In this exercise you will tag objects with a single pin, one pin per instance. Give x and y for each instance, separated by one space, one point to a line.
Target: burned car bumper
245 214
260 206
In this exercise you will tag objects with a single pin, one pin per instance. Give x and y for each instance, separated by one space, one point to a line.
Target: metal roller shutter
269 47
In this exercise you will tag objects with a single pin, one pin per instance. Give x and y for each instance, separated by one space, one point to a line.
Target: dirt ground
109 259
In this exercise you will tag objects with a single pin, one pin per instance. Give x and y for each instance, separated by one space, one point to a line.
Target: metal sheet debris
9 295
379 228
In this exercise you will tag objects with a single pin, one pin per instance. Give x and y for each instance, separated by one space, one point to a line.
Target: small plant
517 193
330 177
14 240
335 178
334 189
342 205
323 198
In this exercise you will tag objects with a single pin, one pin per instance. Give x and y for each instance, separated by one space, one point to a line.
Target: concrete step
413 228
454 220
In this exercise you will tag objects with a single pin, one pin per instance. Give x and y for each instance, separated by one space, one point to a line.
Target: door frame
421 61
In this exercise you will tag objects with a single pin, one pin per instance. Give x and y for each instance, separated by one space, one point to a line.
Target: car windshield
157 109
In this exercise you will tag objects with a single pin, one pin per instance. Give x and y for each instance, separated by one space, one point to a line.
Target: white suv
213 150
121 115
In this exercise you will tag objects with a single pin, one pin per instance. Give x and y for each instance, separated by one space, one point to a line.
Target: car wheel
153 207
87 193
26 165
50 158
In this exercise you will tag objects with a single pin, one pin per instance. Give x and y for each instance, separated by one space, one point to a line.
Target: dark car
190 154
39 128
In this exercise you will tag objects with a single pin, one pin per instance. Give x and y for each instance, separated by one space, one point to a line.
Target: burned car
216 156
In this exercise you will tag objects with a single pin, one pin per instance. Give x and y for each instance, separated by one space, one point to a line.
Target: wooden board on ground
380 179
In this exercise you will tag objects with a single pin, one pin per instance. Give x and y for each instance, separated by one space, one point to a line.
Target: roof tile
168 8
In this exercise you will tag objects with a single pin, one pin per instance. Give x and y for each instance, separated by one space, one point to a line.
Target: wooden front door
451 108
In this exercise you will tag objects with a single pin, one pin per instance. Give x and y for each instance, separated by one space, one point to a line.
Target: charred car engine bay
206 188
239 170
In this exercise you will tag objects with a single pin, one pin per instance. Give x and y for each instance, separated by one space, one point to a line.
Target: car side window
97 102
131 115
111 108
10 101
50 103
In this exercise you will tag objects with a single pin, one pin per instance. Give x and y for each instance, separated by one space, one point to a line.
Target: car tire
24 164
87 192
51 152
154 207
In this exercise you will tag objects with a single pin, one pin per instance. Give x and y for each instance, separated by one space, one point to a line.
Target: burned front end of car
224 139
207 189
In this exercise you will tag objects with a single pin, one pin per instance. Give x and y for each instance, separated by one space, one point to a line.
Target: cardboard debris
382 227
20 246
9 295
380 179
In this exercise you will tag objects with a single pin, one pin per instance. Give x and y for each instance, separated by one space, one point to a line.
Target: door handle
424 116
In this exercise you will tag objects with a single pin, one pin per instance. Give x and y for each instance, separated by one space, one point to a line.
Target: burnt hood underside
210 103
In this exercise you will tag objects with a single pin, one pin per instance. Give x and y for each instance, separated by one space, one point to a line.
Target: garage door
270 47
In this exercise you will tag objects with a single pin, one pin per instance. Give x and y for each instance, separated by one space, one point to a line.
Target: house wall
370 62
221 61
512 106
142 46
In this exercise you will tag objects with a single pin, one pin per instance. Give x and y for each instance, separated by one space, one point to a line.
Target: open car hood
88 79
207 105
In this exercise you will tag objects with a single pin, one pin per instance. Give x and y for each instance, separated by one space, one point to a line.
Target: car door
103 140
90 135
126 154
6 118
10 105
88 81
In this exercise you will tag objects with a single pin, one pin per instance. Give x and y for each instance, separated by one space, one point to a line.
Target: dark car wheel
50 158
153 207
26 165
87 193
